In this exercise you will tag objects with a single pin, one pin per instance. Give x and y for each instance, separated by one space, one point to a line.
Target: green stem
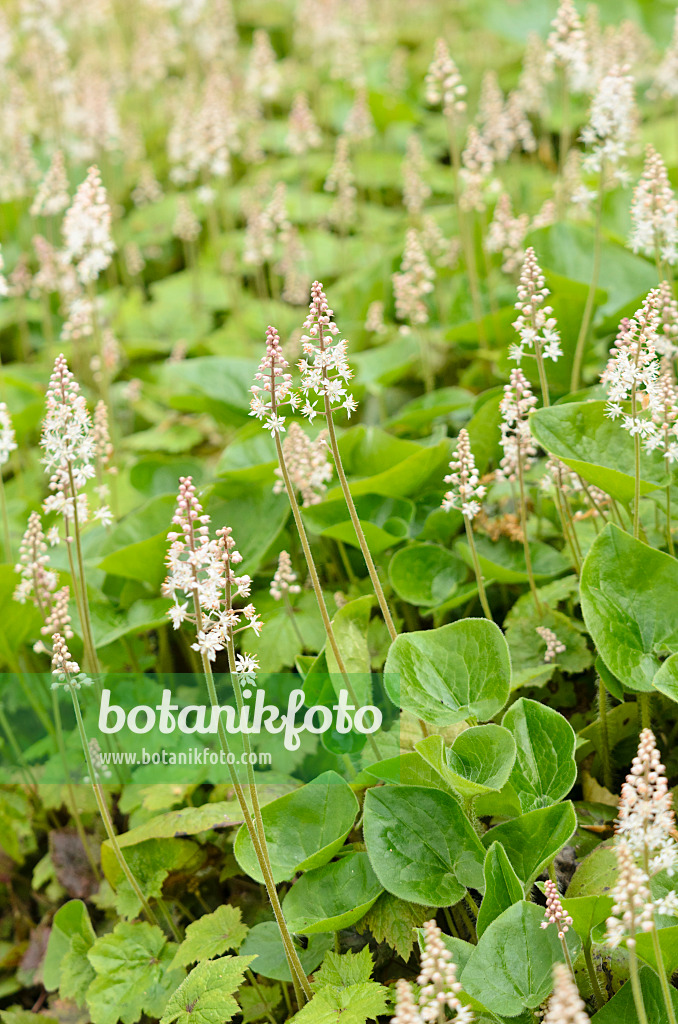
105 815
69 785
597 994
5 522
669 533
636 474
476 566
88 639
593 286
296 970
523 522
604 735
645 712
661 970
635 985
290 614
348 498
324 614
568 959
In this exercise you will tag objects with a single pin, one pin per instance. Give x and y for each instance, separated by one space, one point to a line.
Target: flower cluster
302 131
566 47
443 82
554 646
516 439
611 126
87 228
466 492
285 578
535 324
654 212
307 465
359 124
65 670
665 416
506 234
566 1006
645 826
632 371
52 196
633 910
275 387
476 171
415 189
186 225
646 817
413 282
38 582
555 913
200 569
324 368
438 985
666 342
341 180
68 443
7 435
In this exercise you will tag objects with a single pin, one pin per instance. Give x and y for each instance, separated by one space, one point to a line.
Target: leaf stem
604 734
476 567
597 994
593 286
523 523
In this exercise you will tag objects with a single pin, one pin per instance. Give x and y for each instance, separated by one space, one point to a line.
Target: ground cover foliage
448 483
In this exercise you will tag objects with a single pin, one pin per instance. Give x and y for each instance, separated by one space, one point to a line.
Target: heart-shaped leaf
304 829
624 588
448 674
332 897
544 770
532 840
511 967
503 888
425 574
421 845
479 761
265 943
593 445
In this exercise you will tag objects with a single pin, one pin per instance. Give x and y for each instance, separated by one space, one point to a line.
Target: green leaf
354 1004
544 770
350 630
150 862
425 574
133 975
215 384
187 821
438 405
259 1002
479 760
511 967
451 673
332 897
503 560
503 888
76 971
265 943
70 920
587 912
597 873
528 648
344 969
395 921
206 995
624 584
668 943
621 1009
409 769
532 840
304 829
421 845
666 679
389 466
211 935
385 521
593 445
